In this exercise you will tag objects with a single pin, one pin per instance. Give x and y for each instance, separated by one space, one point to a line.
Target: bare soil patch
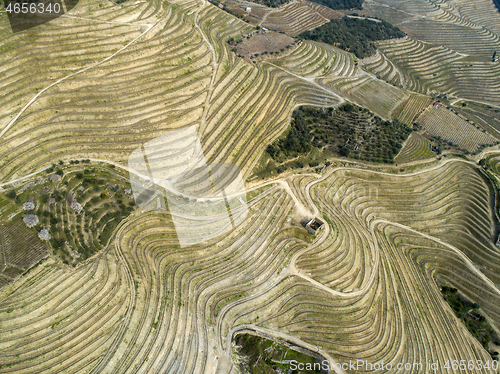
264 42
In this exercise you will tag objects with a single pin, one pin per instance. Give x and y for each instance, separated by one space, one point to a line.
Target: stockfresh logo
204 200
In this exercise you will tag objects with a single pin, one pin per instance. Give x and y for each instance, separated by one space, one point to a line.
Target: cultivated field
297 16
269 42
176 75
416 148
465 27
429 240
431 69
145 302
117 293
20 249
468 40
446 124
378 96
384 69
338 71
448 49
408 111
312 59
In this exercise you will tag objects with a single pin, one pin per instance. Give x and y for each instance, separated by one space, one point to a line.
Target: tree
347 107
344 151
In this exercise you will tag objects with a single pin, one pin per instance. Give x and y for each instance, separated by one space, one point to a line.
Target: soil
264 42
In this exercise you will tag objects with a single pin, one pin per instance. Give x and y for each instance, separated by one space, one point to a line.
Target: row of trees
353 34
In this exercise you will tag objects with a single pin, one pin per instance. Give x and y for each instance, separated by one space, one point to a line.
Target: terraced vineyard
91 283
448 49
462 39
434 247
383 68
20 250
338 71
384 103
298 16
446 124
181 85
465 27
411 109
128 306
416 148
427 68
313 59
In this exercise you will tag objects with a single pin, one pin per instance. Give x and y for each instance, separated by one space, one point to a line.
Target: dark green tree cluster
353 34
341 4
333 4
349 131
469 313
92 181
297 141
52 169
232 40
271 3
